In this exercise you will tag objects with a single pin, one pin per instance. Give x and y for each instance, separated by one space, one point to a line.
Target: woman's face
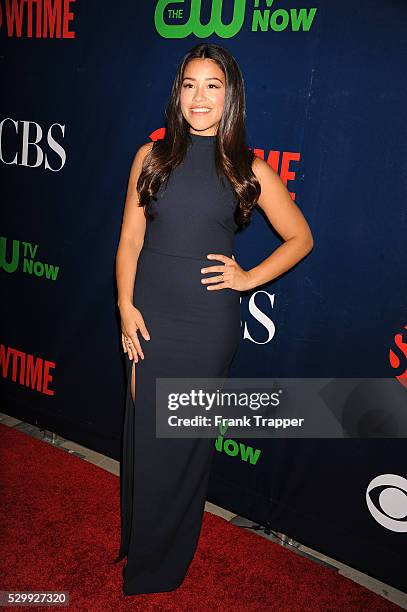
202 96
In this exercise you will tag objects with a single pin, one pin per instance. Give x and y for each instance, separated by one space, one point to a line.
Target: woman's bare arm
287 219
289 222
132 233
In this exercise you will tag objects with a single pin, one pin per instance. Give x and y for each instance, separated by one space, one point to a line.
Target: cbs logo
22 137
390 509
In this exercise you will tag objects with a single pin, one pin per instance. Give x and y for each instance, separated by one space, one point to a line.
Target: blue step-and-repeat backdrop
84 85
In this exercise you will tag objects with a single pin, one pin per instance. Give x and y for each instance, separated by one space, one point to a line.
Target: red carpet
60 520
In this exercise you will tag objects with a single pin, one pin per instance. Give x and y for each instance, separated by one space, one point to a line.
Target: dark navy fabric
195 199
194 333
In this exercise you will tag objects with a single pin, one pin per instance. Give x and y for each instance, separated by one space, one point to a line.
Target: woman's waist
195 254
177 278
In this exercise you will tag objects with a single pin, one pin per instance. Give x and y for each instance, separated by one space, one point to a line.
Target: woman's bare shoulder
140 155
261 168
144 150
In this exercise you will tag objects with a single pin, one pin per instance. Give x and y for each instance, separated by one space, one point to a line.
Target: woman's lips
200 110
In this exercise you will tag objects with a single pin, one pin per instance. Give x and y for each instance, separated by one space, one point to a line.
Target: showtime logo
398 356
23 137
27 370
36 18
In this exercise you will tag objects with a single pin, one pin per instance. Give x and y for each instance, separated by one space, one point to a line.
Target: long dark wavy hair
233 158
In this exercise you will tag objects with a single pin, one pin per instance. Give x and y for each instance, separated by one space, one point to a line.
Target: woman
187 196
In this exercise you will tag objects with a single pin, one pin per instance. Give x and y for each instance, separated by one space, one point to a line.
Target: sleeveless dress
194 332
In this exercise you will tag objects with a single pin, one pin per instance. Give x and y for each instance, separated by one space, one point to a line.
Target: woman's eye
210 85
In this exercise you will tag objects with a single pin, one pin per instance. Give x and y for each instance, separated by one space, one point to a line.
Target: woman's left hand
231 276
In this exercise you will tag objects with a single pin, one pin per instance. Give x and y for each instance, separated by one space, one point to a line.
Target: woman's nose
199 94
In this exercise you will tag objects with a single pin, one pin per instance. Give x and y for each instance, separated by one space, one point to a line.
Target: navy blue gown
194 333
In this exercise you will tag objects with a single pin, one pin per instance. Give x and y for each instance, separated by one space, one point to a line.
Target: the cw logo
194 25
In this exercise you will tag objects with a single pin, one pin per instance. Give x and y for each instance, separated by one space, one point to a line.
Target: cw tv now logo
184 18
238 450
36 18
30 143
23 256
